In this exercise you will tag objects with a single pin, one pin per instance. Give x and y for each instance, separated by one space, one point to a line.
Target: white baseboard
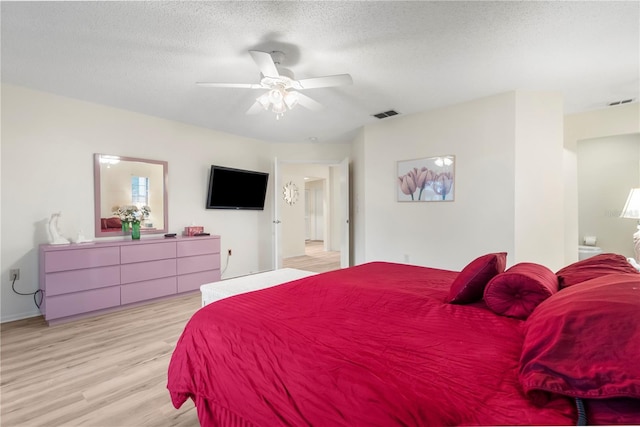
20 316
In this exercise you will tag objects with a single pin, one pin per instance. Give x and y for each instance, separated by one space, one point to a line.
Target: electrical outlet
14 274
229 252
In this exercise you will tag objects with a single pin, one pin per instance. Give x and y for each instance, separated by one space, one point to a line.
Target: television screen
236 189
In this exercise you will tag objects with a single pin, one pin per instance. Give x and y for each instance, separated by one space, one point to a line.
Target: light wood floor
106 371
315 258
110 370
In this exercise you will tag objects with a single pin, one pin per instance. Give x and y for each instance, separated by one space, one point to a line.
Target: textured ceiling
408 56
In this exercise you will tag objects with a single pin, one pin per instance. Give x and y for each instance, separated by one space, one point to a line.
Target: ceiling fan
282 89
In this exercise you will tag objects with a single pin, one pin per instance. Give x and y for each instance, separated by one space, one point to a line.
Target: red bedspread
372 345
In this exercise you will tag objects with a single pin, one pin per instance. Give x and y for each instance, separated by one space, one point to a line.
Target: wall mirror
122 181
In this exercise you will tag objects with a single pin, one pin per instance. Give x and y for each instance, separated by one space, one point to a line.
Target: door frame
343 167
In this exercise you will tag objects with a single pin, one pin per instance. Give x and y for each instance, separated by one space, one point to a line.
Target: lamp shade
632 207
278 100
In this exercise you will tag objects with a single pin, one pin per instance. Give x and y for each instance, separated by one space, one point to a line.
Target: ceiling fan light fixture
278 100
279 108
276 95
291 99
264 100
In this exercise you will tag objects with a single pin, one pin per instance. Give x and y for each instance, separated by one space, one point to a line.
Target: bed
386 344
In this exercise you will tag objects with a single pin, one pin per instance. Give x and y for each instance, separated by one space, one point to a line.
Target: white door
344 202
277 224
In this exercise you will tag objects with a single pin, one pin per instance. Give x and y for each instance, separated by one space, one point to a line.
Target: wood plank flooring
315 258
108 370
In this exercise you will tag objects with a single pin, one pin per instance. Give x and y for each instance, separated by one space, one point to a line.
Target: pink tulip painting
427 180
407 184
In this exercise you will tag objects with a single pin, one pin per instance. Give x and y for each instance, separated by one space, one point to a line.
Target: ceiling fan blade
326 81
255 108
231 85
309 103
264 61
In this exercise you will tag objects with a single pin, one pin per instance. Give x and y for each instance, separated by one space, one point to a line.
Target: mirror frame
98 196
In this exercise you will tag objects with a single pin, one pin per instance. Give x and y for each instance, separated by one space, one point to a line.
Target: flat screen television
236 188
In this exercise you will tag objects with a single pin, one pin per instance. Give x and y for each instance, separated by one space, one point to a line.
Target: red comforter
372 345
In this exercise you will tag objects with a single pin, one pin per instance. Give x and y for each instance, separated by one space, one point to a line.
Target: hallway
315 258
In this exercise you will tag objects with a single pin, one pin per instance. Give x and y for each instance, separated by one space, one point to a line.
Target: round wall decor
290 192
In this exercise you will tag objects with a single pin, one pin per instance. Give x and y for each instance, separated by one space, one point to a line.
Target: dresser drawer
78 279
81 302
198 246
80 258
193 281
147 270
198 263
147 290
147 252
64 282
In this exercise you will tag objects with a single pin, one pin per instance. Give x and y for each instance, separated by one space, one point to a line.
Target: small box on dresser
79 279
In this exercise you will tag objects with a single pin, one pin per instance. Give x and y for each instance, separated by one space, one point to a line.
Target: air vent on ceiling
386 114
624 101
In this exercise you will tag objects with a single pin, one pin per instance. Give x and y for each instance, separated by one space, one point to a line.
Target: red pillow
585 341
517 291
469 284
593 267
114 222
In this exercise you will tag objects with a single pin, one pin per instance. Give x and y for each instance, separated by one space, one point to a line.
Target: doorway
608 167
309 231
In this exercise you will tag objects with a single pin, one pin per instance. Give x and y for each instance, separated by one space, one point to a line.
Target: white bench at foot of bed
238 285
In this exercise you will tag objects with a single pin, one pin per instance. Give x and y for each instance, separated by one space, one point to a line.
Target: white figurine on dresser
82 239
55 238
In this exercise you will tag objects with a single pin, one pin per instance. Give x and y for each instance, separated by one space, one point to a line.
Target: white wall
618 120
607 169
488 138
48 144
539 207
442 234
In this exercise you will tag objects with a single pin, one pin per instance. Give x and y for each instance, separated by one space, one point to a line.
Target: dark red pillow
114 222
584 341
593 267
469 284
517 291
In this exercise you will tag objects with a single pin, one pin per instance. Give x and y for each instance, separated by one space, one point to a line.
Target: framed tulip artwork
426 180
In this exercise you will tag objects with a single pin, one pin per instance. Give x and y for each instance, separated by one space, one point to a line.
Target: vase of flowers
132 216
135 230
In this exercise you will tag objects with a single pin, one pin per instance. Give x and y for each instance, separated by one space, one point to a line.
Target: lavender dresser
79 279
